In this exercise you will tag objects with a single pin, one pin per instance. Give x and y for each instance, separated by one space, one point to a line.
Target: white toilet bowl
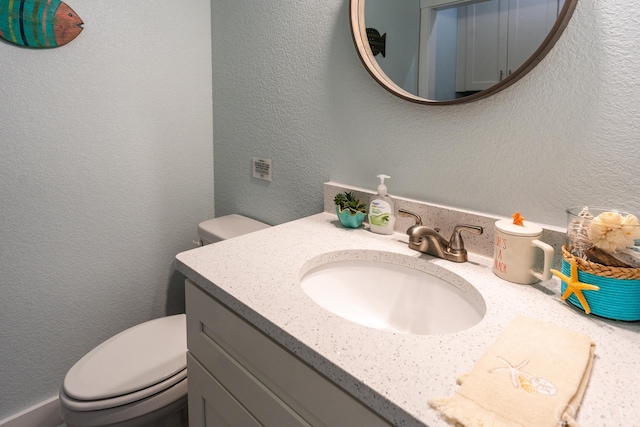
138 378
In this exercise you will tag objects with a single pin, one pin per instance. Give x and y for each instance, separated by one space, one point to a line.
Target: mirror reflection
446 50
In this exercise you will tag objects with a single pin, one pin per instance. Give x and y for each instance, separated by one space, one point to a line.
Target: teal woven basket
617 299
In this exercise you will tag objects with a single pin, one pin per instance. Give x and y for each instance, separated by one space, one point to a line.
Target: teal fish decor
38 23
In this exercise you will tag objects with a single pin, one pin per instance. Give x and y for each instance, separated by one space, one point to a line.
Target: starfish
574 286
517 219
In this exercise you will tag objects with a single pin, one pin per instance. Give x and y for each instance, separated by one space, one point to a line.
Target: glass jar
608 230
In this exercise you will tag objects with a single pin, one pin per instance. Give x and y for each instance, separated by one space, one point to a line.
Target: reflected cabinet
496 37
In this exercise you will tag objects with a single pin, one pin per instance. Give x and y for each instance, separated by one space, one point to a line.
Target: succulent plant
348 200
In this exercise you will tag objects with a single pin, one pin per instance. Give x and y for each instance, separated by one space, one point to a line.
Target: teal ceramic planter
349 219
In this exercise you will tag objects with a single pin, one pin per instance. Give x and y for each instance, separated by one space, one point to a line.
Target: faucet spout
427 240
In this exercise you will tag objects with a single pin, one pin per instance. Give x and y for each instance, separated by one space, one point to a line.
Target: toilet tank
226 227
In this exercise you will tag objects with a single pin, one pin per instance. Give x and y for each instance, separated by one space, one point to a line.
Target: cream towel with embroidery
534 375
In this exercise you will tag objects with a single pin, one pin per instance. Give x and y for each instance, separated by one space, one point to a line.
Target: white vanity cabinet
238 376
496 37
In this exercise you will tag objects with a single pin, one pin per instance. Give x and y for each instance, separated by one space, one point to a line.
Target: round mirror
454 51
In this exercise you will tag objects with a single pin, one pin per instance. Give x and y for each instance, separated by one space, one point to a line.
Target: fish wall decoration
38 23
377 42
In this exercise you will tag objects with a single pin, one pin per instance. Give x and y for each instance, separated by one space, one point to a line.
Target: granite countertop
258 276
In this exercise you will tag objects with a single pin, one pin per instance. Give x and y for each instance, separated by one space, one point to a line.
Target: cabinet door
210 405
485 32
496 37
529 23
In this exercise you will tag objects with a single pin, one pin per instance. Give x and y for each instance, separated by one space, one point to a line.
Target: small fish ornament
38 23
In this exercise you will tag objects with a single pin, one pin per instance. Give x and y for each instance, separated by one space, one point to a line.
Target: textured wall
288 85
105 171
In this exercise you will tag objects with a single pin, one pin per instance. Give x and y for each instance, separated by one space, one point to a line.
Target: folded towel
535 374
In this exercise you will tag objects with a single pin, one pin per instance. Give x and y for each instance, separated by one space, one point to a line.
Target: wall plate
262 168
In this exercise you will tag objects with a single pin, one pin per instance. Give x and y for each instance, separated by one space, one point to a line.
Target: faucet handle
456 245
409 214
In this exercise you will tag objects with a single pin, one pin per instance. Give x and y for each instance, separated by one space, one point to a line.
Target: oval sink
385 295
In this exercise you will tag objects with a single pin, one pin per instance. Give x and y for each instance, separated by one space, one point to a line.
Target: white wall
288 85
400 21
105 170
446 28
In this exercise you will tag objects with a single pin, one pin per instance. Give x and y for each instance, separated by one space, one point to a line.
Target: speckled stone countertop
258 276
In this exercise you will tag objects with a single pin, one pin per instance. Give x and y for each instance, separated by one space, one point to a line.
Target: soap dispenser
382 214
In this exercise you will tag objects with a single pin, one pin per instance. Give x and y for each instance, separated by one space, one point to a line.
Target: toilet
138 378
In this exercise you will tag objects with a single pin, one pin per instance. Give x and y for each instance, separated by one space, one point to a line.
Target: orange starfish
574 286
517 219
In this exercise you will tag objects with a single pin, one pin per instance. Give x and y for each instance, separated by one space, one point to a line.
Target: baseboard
44 414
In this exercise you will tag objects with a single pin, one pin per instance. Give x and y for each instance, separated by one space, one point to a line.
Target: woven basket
619 294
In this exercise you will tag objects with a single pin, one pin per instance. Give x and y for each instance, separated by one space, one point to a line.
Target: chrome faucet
429 241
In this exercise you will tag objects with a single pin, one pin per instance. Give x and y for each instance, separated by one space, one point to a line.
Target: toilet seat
137 363
95 405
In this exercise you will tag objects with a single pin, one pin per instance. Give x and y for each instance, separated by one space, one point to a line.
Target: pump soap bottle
382 214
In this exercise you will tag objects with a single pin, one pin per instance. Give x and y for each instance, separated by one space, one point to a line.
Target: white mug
516 252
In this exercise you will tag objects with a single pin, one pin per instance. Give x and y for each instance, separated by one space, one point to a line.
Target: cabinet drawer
232 397
210 405
213 329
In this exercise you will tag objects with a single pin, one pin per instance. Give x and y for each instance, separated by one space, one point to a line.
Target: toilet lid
135 359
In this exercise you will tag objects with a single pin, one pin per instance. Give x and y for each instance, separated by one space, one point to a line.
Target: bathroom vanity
262 352
239 377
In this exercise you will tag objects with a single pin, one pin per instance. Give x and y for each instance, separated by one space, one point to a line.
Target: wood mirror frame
359 34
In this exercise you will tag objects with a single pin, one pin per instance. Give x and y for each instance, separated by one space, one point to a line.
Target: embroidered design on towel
526 381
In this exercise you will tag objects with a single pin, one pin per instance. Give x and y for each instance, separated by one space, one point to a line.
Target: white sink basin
385 295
